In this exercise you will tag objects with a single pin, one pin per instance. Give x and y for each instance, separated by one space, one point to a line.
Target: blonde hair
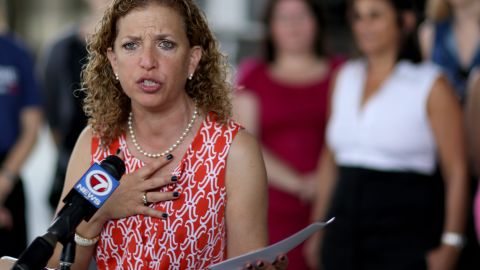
437 10
107 106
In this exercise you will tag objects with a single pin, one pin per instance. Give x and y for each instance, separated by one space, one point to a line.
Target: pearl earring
116 76
190 77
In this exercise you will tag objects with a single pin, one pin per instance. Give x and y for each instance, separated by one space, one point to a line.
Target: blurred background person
284 102
61 83
451 38
472 111
20 117
390 116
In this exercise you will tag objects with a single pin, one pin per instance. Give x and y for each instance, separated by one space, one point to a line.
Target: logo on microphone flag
96 185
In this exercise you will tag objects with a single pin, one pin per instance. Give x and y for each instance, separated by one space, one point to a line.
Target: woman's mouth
149 85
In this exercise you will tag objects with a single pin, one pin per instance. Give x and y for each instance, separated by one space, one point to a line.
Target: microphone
81 203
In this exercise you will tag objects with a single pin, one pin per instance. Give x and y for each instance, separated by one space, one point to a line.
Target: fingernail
176 194
260 264
169 157
165 215
174 178
118 151
283 258
249 266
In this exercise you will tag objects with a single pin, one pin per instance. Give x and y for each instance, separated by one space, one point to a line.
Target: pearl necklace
171 148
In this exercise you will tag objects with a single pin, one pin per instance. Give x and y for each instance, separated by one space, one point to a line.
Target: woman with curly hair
156 90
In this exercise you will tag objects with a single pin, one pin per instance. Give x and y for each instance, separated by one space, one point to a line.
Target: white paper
270 253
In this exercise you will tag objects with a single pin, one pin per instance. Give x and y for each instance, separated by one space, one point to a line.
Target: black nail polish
249 266
174 178
118 151
283 258
164 215
169 157
176 194
260 264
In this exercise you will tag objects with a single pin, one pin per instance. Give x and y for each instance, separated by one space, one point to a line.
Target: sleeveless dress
292 124
194 234
388 200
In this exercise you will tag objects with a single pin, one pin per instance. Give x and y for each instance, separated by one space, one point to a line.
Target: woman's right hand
127 200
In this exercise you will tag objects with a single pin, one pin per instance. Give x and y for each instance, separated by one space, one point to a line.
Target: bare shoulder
246 183
442 93
443 106
245 161
243 144
82 149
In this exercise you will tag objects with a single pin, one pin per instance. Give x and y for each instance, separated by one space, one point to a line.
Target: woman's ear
112 58
195 57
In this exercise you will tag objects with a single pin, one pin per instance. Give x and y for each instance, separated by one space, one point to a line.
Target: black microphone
81 203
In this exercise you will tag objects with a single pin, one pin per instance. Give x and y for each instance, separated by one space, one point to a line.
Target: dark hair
317 13
410 47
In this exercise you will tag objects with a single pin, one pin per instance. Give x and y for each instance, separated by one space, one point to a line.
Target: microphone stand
68 254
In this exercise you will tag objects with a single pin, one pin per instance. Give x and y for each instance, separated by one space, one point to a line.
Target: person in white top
393 121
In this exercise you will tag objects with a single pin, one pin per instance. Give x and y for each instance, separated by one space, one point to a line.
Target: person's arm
426 35
327 172
327 179
280 174
246 183
472 115
247 201
447 123
30 122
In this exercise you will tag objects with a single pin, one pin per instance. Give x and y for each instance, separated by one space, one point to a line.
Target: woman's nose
148 59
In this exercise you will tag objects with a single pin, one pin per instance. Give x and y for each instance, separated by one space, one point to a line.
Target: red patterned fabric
194 235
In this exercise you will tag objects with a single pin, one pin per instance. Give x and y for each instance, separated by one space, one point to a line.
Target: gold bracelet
85 242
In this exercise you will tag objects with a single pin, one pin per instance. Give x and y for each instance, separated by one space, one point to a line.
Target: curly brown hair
107 106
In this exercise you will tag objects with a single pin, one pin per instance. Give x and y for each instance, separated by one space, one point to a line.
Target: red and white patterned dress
194 234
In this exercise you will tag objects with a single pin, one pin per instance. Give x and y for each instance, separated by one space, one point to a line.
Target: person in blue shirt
450 37
60 70
20 120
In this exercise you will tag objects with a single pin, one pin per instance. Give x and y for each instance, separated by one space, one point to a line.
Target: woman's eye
166 44
129 46
374 15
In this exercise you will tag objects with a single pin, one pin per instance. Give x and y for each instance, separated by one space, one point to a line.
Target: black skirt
13 241
384 220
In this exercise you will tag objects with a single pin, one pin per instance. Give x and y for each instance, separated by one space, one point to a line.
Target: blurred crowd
386 138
